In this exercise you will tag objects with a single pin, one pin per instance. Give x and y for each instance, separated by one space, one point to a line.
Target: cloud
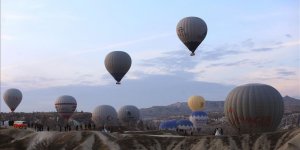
127 43
149 91
290 43
236 63
248 43
263 49
67 73
276 46
220 52
286 80
167 63
248 66
285 72
288 35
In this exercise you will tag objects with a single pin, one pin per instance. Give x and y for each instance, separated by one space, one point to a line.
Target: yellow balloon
196 103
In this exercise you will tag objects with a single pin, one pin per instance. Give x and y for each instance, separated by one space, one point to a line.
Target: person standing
217 132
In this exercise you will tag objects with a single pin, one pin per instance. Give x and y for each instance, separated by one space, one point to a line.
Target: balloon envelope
65 106
196 103
198 118
117 64
191 31
104 115
12 97
128 114
254 108
168 125
184 124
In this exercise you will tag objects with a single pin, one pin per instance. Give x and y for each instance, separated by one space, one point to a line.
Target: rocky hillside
16 139
181 108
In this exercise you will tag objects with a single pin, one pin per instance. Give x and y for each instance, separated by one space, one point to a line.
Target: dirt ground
16 139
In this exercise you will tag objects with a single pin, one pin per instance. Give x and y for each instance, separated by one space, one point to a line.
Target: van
20 124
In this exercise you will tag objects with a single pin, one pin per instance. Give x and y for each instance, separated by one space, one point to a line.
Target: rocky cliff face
15 139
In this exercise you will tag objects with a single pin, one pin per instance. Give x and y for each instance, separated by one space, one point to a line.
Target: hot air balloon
128 114
117 64
65 106
196 103
12 97
184 127
184 124
254 108
191 31
198 118
168 125
104 115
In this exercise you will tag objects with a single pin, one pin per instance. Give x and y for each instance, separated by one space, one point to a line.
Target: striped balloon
65 105
117 64
191 31
12 97
254 108
104 115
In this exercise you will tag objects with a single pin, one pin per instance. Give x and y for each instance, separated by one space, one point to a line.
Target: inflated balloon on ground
65 106
254 108
198 118
105 115
128 114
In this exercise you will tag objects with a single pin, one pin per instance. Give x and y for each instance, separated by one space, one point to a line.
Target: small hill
291 104
181 108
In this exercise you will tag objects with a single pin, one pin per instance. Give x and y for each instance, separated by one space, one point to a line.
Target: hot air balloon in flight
12 97
105 115
117 64
196 103
254 108
128 114
191 31
65 106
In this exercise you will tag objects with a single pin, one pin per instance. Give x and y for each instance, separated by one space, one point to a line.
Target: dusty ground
17 139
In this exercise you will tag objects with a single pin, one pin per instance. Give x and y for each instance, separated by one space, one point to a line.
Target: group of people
40 127
79 127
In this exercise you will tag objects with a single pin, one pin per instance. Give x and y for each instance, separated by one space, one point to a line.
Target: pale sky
50 48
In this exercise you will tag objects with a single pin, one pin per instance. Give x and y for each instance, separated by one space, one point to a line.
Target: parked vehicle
20 124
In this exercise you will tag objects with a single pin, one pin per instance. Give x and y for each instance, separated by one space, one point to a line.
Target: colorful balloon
196 103
198 118
168 125
65 106
184 124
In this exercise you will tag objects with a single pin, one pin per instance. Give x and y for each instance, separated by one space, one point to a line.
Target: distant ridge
181 108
